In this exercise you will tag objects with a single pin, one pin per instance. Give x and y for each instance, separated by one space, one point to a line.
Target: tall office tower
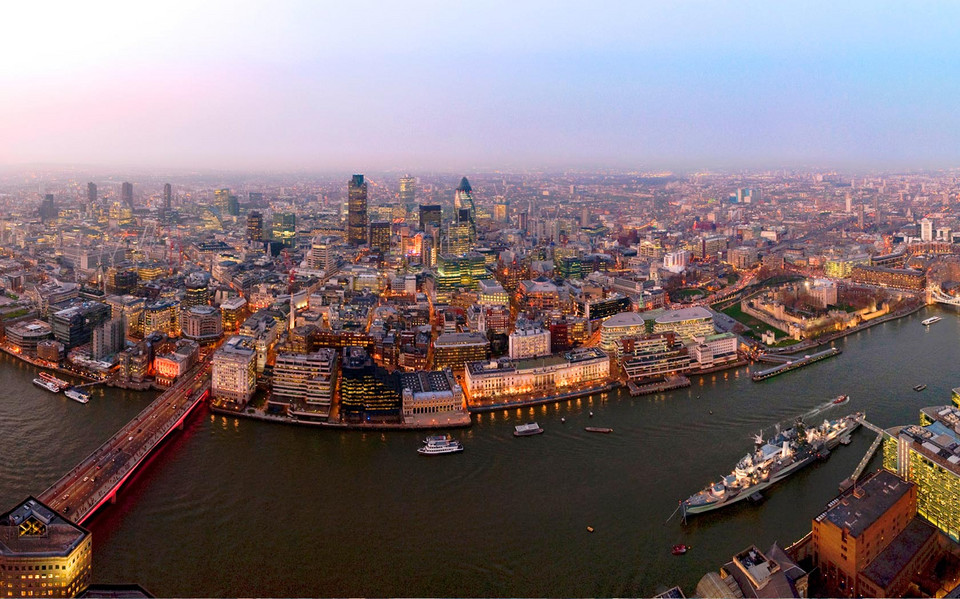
221 198
860 222
233 206
92 192
48 209
380 237
463 202
285 228
197 292
408 190
522 221
500 210
126 195
255 226
167 197
876 209
357 211
849 203
430 214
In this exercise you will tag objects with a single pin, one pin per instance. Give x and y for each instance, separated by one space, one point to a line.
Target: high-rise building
357 211
380 237
221 198
430 214
234 374
255 226
92 192
197 290
926 230
408 190
367 390
466 210
126 195
43 554
109 338
167 196
74 326
459 238
48 209
305 382
285 228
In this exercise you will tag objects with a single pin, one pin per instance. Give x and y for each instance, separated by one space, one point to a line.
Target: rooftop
33 529
857 508
899 553
694 313
624 319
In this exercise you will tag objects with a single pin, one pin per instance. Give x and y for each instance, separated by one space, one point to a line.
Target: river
244 508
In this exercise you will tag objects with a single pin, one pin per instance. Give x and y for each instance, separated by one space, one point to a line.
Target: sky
441 85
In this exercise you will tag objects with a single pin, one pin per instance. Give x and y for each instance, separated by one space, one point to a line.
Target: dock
668 384
795 364
846 484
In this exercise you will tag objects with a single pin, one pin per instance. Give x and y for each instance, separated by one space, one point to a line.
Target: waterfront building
752 573
50 350
433 397
686 322
170 365
43 554
74 326
618 326
264 327
255 226
928 455
868 542
23 337
234 373
109 338
453 350
202 324
714 350
357 211
303 382
653 355
529 340
506 378
897 278
233 312
367 391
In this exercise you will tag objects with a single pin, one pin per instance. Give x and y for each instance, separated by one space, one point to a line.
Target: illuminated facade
233 312
357 211
367 391
202 323
42 554
234 373
305 381
618 326
686 322
453 350
432 395
897 278
505 378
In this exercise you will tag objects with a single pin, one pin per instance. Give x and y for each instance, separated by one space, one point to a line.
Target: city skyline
430 86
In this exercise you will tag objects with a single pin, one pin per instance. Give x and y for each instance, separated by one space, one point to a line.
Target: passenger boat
919 387
52 388
526 430
930 321
60 383
77 395
772 461
841 399
597 429
440 447
436 439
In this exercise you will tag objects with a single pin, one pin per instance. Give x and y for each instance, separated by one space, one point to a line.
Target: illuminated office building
255 226
285 228
357 211
408 190
234 373
367 391
430 214
380 237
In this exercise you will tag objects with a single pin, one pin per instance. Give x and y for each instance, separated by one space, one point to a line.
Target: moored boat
526 430
60 383
77 395
597 429
51 387
919 387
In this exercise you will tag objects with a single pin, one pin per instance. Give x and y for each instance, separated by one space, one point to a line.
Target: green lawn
755 325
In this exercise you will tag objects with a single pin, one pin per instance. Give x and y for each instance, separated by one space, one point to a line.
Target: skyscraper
48 209
466 211
167 197
221 198
91 192
380 237
126 194
430 214
357 211
408 190
255 226
285 228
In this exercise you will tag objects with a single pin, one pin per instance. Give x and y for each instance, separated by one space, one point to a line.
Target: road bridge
96 480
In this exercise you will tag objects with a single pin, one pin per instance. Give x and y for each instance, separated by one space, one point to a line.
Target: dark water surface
241 508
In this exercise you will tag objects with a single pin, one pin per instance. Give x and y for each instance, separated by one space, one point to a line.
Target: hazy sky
438 85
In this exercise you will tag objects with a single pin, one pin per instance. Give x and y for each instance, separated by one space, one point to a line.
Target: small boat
919 387
930 321
51 387
679 549
597 429
589 529
440 448
841 399
526 430
591 414
562 420
77 395
437 439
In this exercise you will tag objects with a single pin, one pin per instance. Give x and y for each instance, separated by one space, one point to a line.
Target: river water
246 508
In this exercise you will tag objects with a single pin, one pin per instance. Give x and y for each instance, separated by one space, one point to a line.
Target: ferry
526 430
930 321
60 383
772 461
52 388
841 399
77 395
436 439
441 447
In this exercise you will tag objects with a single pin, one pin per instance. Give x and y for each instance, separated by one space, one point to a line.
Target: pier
668 384
795 364
96 480
846 484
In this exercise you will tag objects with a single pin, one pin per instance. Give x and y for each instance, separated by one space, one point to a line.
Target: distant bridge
937 295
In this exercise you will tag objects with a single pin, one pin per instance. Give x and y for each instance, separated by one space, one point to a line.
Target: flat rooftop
899 553
49 534
694 313
857 508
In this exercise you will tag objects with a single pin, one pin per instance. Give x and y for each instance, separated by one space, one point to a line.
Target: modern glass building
357 211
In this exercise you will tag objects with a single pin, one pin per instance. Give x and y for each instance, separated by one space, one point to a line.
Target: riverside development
487 324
